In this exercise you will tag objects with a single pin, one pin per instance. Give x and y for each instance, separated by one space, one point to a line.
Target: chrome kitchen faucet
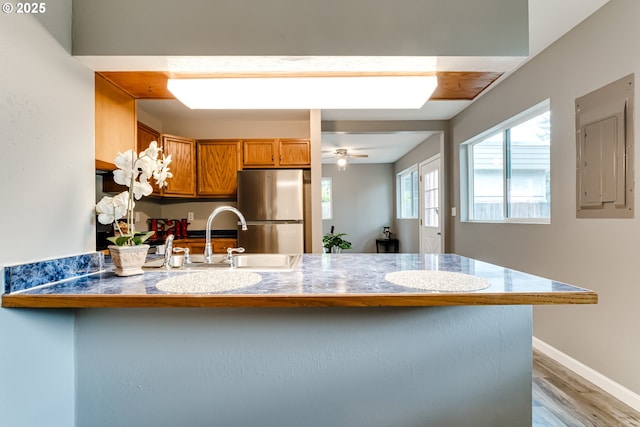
208 250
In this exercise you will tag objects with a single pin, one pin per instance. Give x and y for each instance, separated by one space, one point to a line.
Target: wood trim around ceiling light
462 85
452 85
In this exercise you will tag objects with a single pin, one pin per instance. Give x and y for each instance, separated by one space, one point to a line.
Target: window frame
323 180
467 167
415 204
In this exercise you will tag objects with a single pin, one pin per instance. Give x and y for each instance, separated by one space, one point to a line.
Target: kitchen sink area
244 262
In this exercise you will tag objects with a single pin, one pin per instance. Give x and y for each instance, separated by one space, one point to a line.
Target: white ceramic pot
128 260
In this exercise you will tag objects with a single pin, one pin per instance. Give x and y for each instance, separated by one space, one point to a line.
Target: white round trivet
430 280
206 282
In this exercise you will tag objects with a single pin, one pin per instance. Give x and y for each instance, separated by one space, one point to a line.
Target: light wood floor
562 398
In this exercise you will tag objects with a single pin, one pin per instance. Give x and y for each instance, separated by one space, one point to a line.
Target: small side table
387 245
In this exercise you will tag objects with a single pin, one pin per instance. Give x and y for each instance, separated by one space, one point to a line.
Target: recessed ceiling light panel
340 92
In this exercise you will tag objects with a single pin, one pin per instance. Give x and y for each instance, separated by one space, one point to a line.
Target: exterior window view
510 173
408 193
327 211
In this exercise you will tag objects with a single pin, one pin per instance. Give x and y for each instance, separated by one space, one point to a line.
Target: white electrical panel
604 151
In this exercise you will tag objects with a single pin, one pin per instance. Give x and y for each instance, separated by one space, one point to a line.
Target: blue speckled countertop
318 280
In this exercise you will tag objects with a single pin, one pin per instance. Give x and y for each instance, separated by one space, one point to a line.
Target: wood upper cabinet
115 122
217 170
182 166
147 134
259 153
294 152
276 153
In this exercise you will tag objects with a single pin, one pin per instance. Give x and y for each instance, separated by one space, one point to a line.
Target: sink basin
208 281
248 262
270 261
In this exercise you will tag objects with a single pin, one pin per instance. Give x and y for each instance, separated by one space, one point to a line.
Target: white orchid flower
105 210
134 171
125 163
162 173
162 176
110 209
121 204
141 189
145 166
153 151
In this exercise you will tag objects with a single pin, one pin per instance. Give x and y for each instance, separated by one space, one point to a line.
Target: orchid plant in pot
134 170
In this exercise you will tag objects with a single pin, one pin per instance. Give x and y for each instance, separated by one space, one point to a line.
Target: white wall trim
607 384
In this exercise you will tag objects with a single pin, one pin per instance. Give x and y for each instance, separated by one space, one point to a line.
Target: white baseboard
618 391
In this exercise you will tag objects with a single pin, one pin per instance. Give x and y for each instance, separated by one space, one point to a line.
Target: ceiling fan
343 155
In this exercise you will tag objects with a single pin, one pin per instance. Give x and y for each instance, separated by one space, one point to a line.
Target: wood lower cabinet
276 153
196 245
218 163
182 166
221 245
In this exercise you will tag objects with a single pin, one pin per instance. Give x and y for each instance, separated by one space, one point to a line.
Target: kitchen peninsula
330 343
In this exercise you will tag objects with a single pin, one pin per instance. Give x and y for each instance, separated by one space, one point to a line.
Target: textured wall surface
292 27
362 202
305 367
598 254
47 193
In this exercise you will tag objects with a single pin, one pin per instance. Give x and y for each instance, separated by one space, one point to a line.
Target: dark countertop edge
295 300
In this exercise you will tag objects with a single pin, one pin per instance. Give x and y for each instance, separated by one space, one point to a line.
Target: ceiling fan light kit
305 92
343 157
342 163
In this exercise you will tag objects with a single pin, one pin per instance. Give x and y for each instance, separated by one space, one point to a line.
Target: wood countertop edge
294 300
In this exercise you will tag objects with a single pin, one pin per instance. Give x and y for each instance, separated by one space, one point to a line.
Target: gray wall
47 189
312 367
292 27
362 202
407 230
600 254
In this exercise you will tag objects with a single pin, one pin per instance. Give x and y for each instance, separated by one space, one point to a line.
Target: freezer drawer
278 238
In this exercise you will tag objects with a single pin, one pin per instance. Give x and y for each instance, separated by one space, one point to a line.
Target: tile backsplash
25 276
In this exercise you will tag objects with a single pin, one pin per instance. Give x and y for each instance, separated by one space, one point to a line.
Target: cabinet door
217 170
115 122
220 245
196 246
294 152
182 166
259 153
147 134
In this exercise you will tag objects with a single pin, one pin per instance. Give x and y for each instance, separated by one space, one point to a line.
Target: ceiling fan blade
358 155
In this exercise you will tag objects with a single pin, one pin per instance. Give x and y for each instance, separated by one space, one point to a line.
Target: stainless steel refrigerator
272 201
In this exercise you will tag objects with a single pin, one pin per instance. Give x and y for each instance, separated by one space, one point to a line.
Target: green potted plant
334 243
128 251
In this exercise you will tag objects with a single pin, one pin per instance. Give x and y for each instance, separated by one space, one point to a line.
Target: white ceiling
380 147
548 21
